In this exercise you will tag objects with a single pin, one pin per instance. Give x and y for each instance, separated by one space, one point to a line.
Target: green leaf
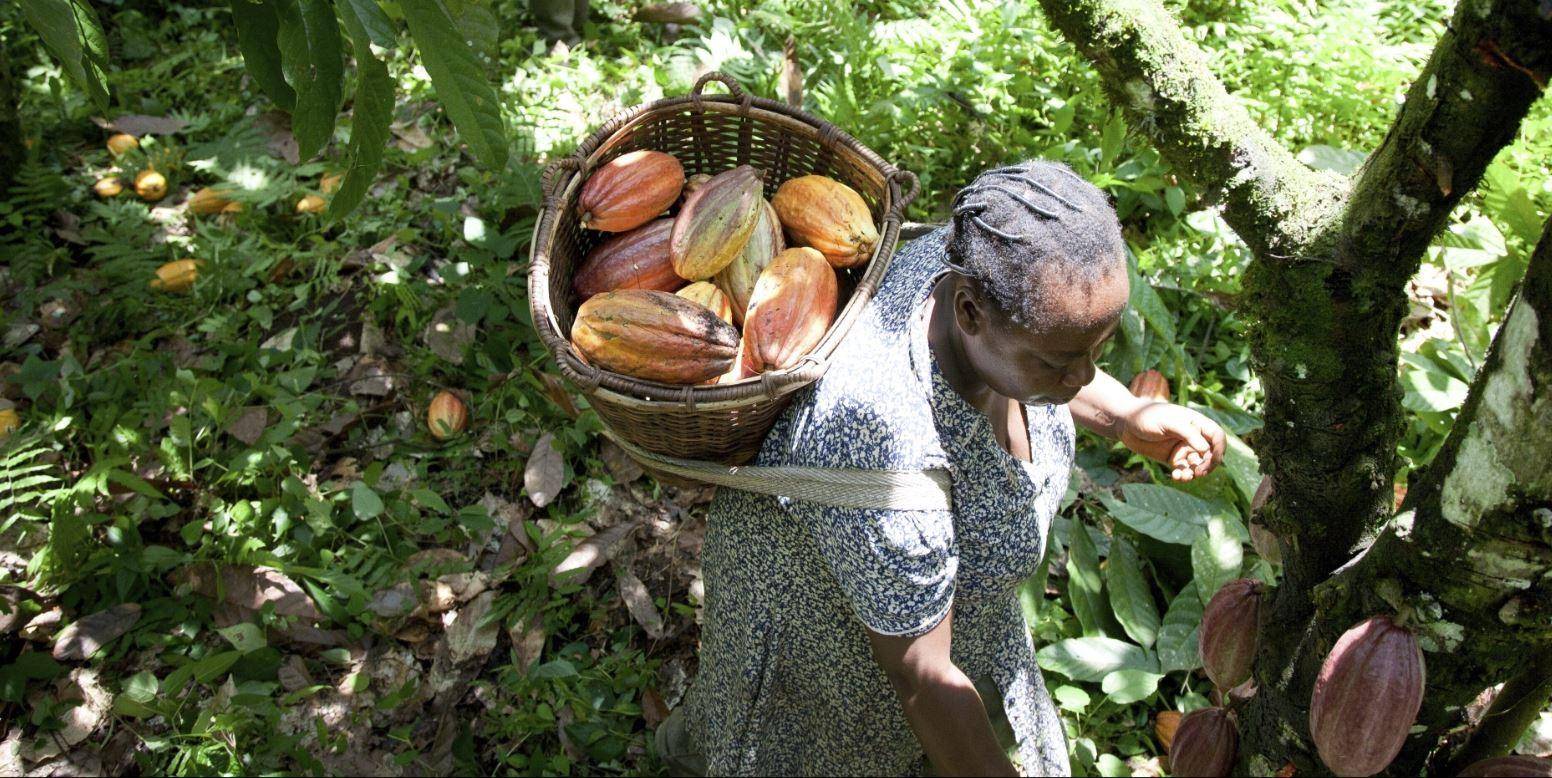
430 499
1071 698
1177 643
1160 512
1093 658
1125 687
365 502
1083 581
461 86
1130 596
378 27
244 637
141 687
1242 465
370 119
313 62
1216 558
1333 159
258 32
1428 388
72 34
1148 302
1175 198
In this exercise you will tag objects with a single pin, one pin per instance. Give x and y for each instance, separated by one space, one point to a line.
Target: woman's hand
1190 443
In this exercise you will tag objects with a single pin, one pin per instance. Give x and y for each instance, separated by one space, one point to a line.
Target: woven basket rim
563 176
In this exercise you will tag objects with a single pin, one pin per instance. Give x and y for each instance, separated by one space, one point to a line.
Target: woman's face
1049 361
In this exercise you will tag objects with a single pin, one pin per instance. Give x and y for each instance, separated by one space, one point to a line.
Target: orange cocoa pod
1151 385
178 275
633 260
706 293
211 200
630 190
447 415
792 307
121 143
654 336
737 279
1164 726
715 223
829 216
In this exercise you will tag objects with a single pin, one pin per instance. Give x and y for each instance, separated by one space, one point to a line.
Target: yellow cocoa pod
654 336
108 187
331 183
311 204
176 276
715 223
122 142
150 186
737 279
211 200
827 215
706 293
9 421
447 415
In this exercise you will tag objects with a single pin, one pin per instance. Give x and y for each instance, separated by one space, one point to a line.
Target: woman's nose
1080 376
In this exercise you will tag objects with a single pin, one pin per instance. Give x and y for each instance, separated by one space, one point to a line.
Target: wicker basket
711 133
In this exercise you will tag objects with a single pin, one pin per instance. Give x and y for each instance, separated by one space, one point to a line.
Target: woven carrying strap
842 487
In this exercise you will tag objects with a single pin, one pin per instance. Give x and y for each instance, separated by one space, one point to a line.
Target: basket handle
728 81
552 175
906 195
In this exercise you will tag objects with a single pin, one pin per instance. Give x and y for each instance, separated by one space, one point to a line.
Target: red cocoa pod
792 307
827 215
630 190
1509 767
655 336
633 260
1204 744
1230 625
715 223
738 278
1151 385
1367 697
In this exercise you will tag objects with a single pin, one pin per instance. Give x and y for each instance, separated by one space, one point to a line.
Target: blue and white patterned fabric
787 683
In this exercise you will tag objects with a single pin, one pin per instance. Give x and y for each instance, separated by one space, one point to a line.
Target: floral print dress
787 683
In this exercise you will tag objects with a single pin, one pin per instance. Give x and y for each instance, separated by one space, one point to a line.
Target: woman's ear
968 310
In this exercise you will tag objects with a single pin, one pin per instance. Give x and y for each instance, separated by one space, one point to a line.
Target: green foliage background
124 474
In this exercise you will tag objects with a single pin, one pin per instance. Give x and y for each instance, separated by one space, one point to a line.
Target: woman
841 641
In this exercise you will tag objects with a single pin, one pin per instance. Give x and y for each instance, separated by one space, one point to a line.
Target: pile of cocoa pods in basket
714 292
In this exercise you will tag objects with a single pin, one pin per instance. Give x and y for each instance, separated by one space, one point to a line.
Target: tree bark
11 148
1326 296
1514 708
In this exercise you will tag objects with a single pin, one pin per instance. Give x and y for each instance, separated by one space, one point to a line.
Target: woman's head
1041 281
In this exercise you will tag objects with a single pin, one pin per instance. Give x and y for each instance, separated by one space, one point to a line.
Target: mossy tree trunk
1326 295
11 149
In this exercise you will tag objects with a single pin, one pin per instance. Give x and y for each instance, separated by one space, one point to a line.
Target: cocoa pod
827 215
209 200
1204 745
121 143
695 182
1513 766
1165 723
715 223
1230 625
178 275
630 190
706 293
738 278
311 204
1151 385
150 185
655 336
108 187
1366 697
791 308
446 415
10 420
633 260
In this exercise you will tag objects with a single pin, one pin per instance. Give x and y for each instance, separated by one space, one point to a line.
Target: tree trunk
1326 295
11 148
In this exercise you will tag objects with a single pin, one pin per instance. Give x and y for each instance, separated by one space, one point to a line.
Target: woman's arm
1104 405
940 702
1190 443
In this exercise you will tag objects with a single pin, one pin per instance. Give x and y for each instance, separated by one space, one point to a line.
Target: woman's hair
1014 223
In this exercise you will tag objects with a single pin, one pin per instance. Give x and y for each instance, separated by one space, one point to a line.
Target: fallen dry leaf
527 641
545 473
87 634
591 554
249 426
472 635
653 709
293 674
13 607
447 335
42 626
140 124
621 466
639 601
80 721
278 140
250 588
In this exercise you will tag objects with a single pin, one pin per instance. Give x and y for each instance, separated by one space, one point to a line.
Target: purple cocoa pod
1367 697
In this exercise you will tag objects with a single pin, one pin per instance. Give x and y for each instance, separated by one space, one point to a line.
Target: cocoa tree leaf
1083 581
73 35
1216 558
258 29
545 474
1093 658
83 637
639 601
1130 597
376 24
461 86
1177 641
373 110
1129 685
313 61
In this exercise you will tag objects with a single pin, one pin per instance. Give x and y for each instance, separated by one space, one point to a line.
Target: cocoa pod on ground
829 216
715 223
1150 385
447 415
1229 631
654 336
792 307
738 278
1366 697
630 190
1514 766
1205 744
631 260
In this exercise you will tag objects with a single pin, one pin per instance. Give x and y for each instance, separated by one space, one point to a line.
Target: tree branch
1514 708
1486 70
1163 82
